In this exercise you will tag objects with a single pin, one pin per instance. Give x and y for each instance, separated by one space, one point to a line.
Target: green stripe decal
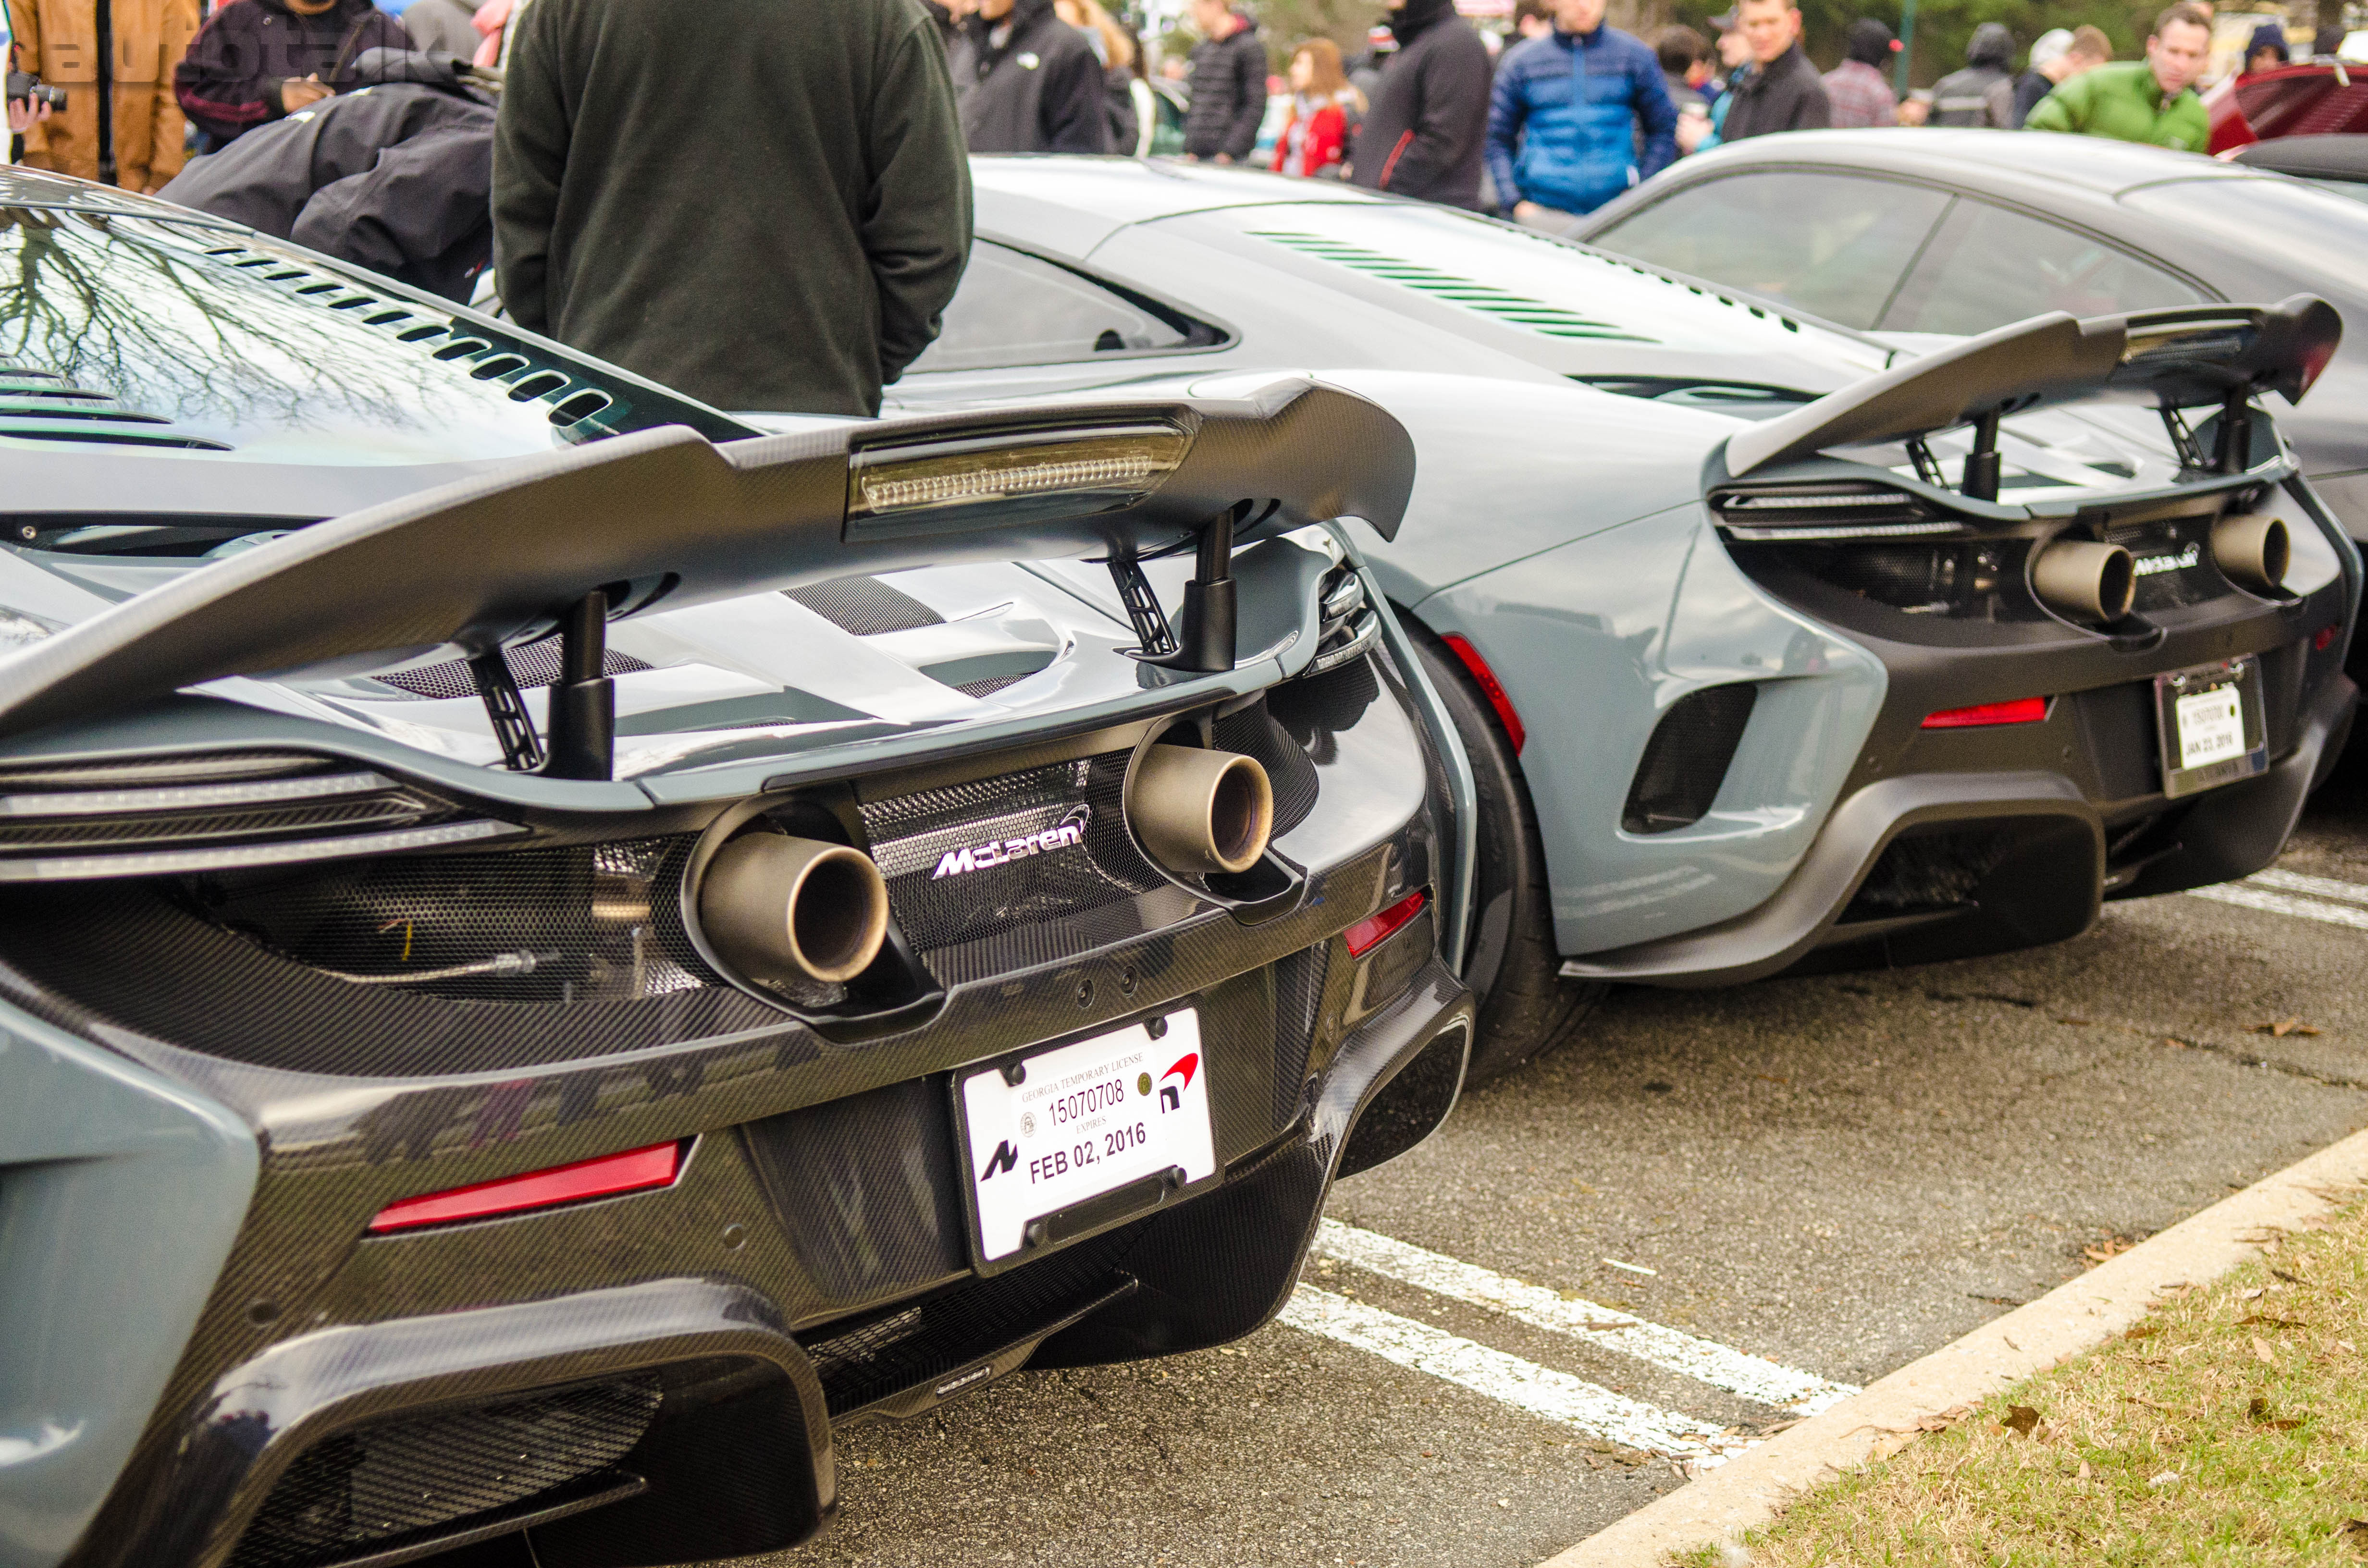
1515 310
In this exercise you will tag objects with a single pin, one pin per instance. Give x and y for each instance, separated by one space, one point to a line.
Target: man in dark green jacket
2151 101
767 211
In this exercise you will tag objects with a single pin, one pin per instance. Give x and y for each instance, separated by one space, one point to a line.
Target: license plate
1048 1135
2209 719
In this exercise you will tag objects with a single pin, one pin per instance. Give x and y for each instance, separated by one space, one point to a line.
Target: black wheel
1525 1004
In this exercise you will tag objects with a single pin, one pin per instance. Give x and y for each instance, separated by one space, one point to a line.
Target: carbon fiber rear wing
2223 355
663 516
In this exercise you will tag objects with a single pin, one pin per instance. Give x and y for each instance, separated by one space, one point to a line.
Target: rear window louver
1502 304
578 409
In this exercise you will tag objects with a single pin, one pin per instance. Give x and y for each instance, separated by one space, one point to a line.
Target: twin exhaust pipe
2098 583
780 909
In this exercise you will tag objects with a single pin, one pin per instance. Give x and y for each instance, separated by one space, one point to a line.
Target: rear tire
1515 969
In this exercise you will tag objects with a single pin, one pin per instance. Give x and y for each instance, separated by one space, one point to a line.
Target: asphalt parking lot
1833 1175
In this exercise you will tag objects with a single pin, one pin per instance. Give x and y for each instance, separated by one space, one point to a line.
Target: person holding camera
113 61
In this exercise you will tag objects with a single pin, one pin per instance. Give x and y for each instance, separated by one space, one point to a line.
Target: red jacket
1327 138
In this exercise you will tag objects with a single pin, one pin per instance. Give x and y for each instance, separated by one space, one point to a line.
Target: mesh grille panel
579 923
1931 870
2174 563
865 605
383 1483
536 663
986 686
975 860
1686 760
140 956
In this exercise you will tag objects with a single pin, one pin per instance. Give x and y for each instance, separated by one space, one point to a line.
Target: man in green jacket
767 211
2151 101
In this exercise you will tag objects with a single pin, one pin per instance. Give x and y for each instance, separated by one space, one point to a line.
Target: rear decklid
663 522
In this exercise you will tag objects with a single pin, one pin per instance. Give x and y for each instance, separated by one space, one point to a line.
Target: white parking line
1524 1385
1701 1360
2248 895
2317 887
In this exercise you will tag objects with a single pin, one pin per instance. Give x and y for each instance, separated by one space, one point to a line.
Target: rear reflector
1367 934
1490 690
637 1170
2021 710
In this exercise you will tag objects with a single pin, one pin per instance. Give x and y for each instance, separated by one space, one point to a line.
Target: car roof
1973 159
2323 158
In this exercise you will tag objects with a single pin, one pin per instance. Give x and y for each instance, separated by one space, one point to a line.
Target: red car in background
2310 98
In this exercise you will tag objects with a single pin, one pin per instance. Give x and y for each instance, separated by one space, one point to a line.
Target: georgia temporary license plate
1051 1131
2212 725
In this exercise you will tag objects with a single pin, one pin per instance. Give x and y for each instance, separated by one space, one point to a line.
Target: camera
26 85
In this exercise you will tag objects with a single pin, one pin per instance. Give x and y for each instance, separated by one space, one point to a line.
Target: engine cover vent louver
166 815
571 403
39 405
1349 626
1828 512
1514 310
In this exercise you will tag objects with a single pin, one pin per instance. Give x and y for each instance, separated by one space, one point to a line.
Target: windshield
133 332
2291 225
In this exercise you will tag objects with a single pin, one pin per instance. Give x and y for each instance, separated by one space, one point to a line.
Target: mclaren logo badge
1066 834
2154 565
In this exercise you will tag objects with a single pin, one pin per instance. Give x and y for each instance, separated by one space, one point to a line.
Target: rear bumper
2062 846
682 1407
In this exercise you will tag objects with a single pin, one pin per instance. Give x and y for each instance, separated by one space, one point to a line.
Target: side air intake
1686 760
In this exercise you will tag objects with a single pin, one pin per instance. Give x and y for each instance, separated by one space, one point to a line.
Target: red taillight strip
636 1170
1367 934
1490 688
2021 710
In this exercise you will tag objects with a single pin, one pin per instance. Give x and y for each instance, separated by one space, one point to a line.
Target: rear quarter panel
1593 642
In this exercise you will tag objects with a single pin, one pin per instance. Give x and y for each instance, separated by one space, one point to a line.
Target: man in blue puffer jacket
1563 120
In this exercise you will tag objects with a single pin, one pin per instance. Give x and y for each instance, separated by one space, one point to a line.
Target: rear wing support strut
584 701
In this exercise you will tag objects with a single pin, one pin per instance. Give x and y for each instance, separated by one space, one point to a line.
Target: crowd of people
625 221
1567 113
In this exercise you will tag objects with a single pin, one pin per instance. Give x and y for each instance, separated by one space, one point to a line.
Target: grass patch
2230 1427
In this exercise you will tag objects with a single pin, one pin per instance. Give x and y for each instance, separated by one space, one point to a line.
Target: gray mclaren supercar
535 983
1773 646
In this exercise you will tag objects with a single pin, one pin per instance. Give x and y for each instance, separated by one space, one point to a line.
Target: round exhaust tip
2252 549
779 908
1198 812
2084 581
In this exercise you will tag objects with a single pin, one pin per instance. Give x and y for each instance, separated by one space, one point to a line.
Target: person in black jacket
1784 91
261 59
1982 95
777 225
1426 128
1034 84
396 176
1228 86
